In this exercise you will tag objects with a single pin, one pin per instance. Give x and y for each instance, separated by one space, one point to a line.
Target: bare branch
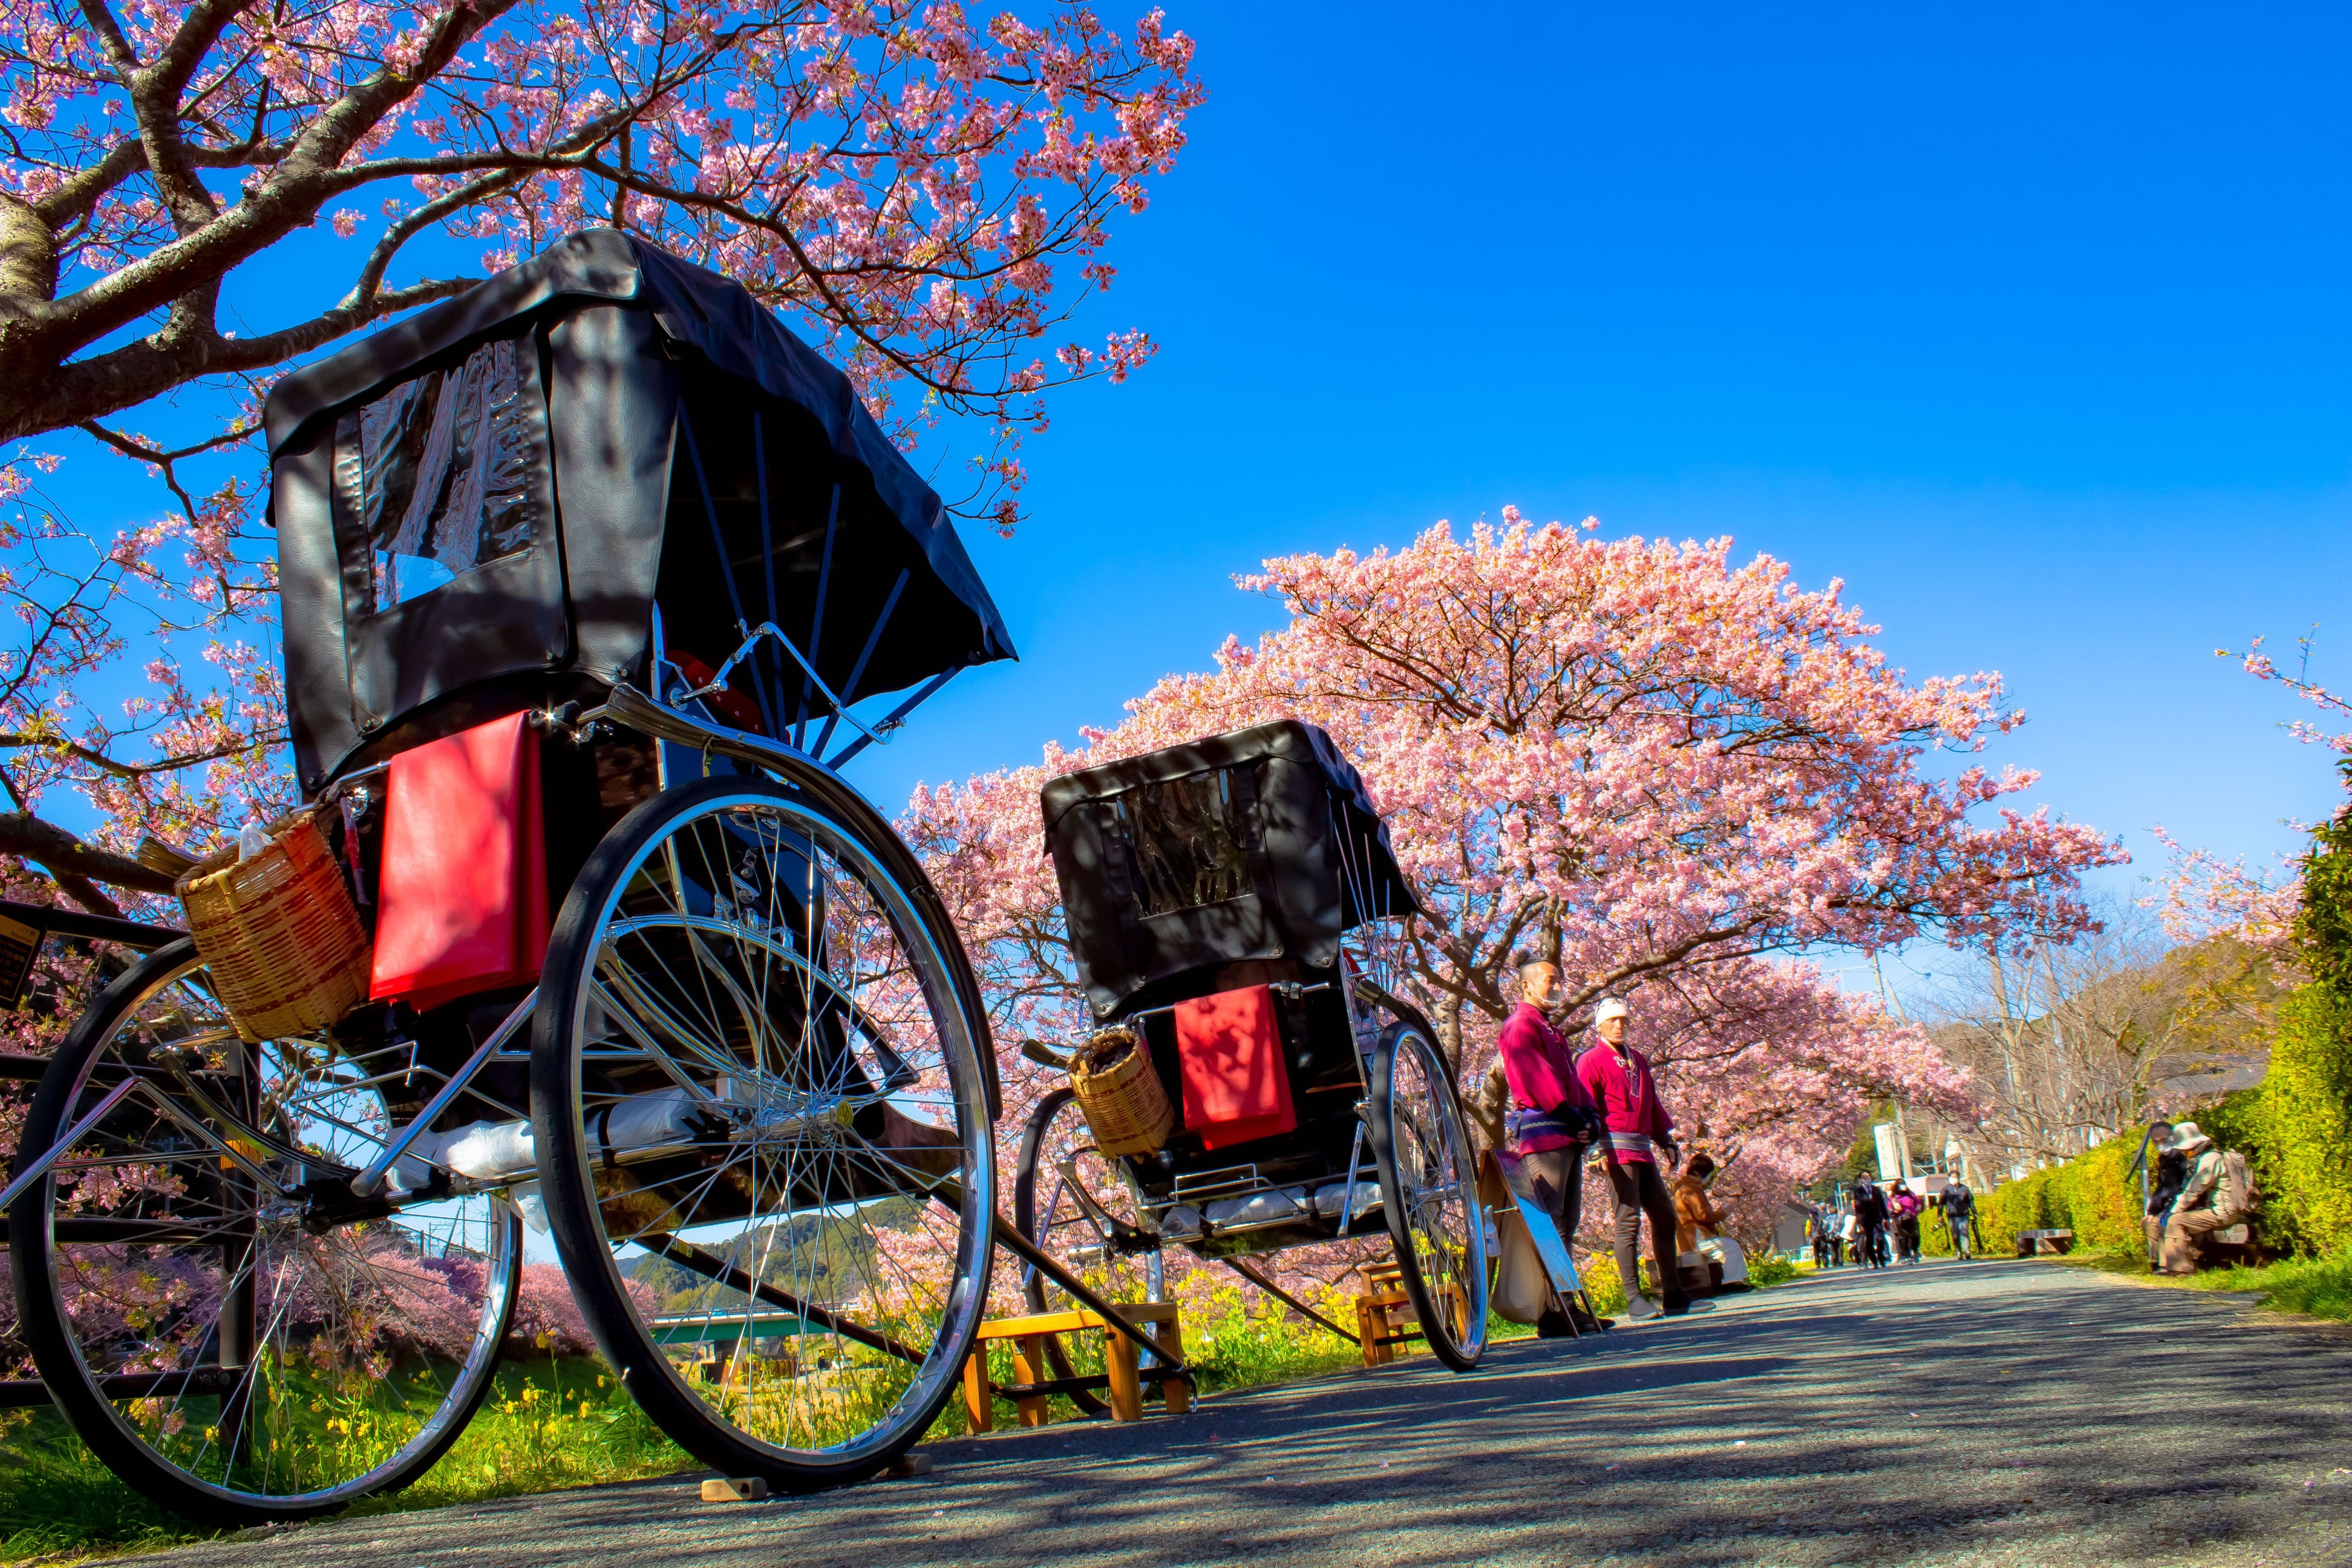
28 838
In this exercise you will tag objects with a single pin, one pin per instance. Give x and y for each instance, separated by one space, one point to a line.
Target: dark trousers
1556 1176
1639 1190
1874 1245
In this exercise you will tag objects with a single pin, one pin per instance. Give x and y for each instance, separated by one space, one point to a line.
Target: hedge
2294 1128
2303 1124
2088 1195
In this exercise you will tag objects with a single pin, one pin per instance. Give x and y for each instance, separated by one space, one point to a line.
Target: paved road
1988 1415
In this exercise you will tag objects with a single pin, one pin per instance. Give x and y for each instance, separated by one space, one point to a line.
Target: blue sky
2034 330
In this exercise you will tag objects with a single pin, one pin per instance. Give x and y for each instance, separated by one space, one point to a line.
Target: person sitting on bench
1694 1211
2196 1212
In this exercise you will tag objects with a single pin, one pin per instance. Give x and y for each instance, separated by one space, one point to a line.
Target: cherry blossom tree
1631 755
927 195
2201 894
1664 770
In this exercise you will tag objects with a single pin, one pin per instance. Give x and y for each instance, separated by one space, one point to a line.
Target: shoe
1553 1325
1641 1309
1684 1309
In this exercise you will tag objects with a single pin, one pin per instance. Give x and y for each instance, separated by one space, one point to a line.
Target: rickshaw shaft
368 1183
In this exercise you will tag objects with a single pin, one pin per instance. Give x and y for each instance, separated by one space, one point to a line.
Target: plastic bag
1522 1290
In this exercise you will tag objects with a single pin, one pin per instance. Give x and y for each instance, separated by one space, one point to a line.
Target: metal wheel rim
1149 1267
1420 1146
501 1260
942 1366
1146 1271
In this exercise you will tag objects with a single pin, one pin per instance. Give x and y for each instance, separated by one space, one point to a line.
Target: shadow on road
1990 1413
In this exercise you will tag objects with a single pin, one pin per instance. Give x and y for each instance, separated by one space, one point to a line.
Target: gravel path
1957 1415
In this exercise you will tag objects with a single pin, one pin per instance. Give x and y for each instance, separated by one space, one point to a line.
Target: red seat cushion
461 904
1235 1086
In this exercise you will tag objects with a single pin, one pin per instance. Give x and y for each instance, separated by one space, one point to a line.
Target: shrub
2088 1195
1601 1285
2304 1121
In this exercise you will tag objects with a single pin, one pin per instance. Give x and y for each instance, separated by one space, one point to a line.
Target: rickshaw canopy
483 508
1259 844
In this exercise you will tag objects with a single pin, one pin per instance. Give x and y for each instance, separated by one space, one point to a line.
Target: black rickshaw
1252 865
605 501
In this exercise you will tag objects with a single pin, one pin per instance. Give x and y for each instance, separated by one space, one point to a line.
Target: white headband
1611 1007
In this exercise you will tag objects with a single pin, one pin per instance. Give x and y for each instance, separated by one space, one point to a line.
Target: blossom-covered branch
909 182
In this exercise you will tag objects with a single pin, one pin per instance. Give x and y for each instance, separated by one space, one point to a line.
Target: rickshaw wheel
1046 1212
236 1356
1429 1193
765 969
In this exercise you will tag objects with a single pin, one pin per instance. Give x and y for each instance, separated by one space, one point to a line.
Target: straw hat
2186 1137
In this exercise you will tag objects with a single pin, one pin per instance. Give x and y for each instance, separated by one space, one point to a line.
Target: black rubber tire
41 1315
1379 1135
566 1180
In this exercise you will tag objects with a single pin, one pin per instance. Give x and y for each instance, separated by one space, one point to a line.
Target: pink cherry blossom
1665 767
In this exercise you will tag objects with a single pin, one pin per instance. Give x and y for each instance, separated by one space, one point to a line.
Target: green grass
2314 1287
548 1424
553 1423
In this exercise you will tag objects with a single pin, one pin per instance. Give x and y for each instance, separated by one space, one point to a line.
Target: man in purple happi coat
1640 1132
1556 1119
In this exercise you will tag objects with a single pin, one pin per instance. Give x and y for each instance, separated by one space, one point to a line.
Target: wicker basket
1117 1088
280 933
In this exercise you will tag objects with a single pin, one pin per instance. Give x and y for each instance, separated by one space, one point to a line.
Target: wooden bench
2030 1242
1033 1384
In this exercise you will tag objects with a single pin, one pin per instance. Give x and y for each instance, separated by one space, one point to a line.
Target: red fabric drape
462 899
1235 1086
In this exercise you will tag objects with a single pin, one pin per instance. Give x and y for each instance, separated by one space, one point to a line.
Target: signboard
19 945
1550 1246
1890 1150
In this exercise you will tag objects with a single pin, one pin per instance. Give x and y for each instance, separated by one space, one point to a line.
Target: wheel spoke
755 949
165 1255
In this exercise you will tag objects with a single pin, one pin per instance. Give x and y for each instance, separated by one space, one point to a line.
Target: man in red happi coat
1556 1119
1617 1077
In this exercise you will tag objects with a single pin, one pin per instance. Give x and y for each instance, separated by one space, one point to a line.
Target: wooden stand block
979 1405
734 1489
1028 1336
1126 1389
1379 1312
1176 1391
1029 1366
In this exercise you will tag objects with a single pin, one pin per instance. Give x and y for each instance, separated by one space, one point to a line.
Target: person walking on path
2171 1174
1821 1228
1617 1077
1907 1223
1849 1243
1960 1207
1556 1119
2198 1211
1869 1217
